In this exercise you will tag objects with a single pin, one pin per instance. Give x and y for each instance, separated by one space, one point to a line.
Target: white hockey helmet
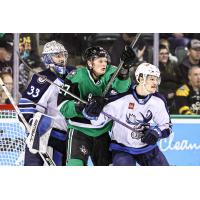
146 69
54 48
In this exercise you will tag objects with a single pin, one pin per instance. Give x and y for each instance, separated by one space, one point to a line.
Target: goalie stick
119 67
45 156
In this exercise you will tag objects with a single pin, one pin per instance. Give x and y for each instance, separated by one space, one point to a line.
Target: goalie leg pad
40 132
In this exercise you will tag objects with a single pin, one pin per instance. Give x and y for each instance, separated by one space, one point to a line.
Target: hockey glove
94 107
140 128
129 57
150 137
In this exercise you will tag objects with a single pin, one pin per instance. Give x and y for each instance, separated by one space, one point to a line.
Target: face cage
47 59
59 68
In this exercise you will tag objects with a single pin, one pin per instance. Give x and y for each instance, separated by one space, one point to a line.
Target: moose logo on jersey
139 125
131 118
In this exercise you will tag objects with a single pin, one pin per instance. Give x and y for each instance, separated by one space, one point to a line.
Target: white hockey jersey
133 111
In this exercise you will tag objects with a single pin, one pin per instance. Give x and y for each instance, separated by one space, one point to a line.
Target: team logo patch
84 150
41 80
131 106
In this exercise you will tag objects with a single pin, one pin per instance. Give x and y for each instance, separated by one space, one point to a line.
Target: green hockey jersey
84 85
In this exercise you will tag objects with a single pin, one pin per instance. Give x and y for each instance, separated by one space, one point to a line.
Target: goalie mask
95 52
55 56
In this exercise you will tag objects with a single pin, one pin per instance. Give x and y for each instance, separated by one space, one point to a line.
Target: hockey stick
45 156
119 67
106 114
69 93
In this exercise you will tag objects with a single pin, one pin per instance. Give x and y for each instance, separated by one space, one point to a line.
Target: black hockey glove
150 137
141 127
129 57
94 107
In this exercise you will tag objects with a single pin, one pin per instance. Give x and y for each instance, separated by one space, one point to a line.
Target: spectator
5 56
192 59
8 81
118 47
165 42
169 73
188 96
177 40
28 51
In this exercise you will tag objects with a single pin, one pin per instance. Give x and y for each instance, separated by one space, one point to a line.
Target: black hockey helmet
95 52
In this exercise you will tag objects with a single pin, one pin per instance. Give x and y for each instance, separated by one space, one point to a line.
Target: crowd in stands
179 61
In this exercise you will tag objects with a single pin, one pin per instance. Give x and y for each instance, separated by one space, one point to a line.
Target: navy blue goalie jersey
43 97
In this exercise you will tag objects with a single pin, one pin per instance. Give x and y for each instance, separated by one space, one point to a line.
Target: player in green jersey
86 139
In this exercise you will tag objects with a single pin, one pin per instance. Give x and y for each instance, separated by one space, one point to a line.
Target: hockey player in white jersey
42 96
145 110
